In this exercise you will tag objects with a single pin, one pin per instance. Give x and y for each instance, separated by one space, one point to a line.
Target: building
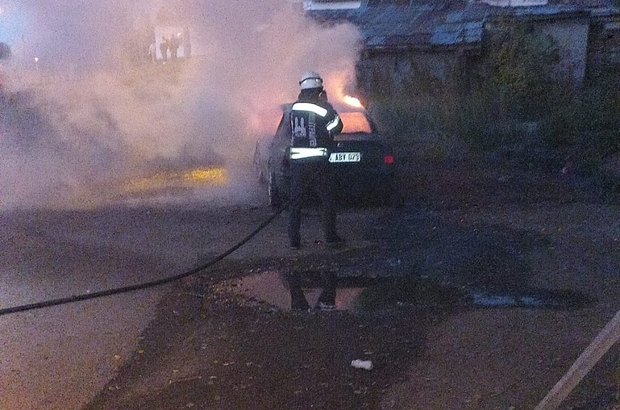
405 38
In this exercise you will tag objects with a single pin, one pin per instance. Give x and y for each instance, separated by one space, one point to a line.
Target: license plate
345 157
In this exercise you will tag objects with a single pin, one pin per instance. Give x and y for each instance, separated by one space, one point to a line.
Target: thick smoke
83 110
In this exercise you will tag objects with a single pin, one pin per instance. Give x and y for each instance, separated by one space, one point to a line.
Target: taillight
388 159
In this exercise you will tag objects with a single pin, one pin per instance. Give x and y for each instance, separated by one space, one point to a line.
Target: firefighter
314 122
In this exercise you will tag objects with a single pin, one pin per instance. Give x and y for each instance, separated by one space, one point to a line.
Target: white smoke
82 110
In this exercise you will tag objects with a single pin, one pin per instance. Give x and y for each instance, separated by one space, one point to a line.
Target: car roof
338 107
360 136
341 109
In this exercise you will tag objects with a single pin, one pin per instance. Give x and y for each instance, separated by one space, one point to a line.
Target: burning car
361 157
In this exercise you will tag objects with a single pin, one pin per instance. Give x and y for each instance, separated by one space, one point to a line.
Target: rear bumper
358 183
351 182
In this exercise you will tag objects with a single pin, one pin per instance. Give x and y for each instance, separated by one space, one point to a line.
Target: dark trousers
316 176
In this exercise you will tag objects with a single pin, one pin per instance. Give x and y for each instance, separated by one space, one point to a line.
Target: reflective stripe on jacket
312 128
302 153
318 110
302 106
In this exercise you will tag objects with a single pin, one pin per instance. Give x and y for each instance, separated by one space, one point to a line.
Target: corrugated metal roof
546 10
440 24
585 3
421 26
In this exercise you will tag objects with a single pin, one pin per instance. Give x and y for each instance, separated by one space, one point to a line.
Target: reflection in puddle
273 287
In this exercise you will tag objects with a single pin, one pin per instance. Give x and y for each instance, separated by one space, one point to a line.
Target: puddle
272 287
356 293
533 298
480 299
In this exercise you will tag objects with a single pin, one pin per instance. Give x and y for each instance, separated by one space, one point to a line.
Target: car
362 159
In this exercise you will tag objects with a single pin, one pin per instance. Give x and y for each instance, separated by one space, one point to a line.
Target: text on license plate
345 157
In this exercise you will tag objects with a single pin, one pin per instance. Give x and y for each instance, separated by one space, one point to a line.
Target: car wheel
272 190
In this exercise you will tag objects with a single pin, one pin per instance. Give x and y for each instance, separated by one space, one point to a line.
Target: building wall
603 59
569 33
571 36
589 50
395 70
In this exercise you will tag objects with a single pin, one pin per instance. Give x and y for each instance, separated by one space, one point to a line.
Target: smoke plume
83 110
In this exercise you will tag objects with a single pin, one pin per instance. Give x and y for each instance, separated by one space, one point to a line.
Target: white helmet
311 79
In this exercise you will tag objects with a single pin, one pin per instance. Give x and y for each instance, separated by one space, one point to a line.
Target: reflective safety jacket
313 126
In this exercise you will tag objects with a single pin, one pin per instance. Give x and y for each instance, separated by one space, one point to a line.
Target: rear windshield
354 122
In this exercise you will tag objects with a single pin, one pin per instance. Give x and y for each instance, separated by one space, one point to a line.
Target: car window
284 126
354 122
283 133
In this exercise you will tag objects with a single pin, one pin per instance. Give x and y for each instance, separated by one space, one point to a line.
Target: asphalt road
509 238
60 357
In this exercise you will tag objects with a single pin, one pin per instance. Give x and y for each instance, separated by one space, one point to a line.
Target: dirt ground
479 293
